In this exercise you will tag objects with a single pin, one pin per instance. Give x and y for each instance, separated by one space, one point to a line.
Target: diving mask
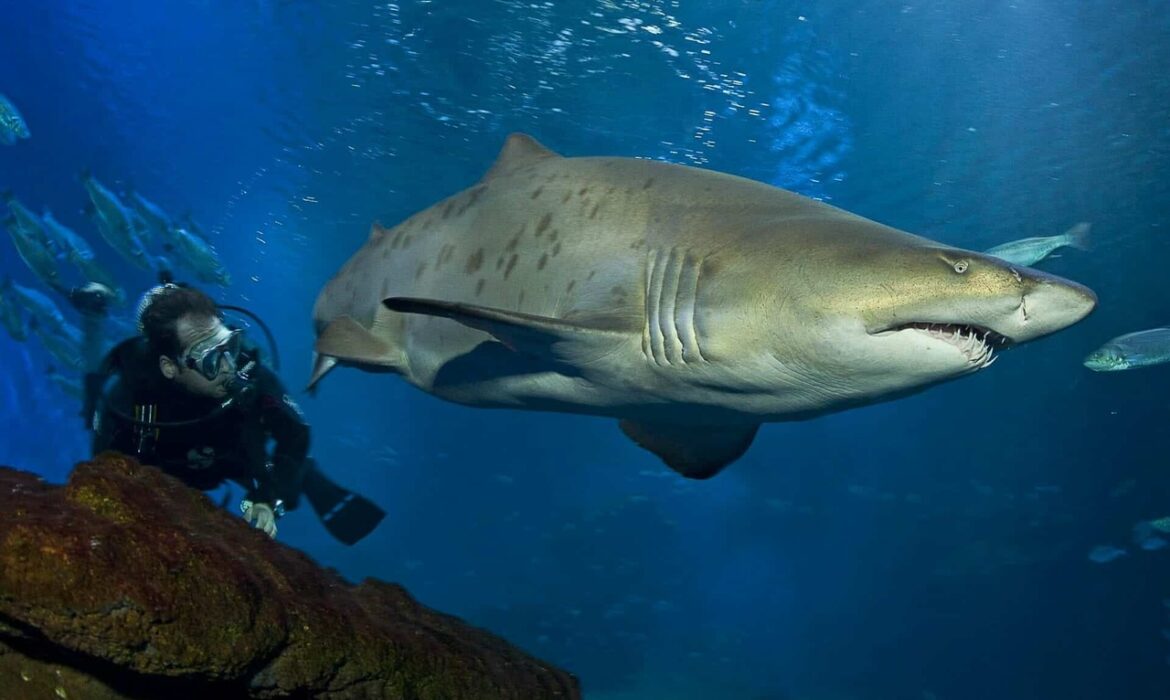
214 355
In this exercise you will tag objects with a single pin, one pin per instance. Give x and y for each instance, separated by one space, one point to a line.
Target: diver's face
192 331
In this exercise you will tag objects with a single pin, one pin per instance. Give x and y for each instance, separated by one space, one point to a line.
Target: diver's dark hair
161 314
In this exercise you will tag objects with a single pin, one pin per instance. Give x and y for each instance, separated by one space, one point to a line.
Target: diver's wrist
277 507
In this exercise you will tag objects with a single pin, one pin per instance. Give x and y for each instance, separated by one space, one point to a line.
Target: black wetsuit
215 446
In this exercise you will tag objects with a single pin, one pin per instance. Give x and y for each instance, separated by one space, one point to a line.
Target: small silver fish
78 251
1161 524
1146 537
1153 543
12 319
60 338
12 125
156 220
68 243
70 385
34 302
117 223
1132 350
1103 554
62 341
34 251
1029 251
199 256
25 218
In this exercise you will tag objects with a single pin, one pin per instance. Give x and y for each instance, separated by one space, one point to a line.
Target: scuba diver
190 395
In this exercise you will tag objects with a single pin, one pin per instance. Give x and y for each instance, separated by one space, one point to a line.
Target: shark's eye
961 266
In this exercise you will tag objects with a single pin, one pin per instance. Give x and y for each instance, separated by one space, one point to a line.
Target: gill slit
670 336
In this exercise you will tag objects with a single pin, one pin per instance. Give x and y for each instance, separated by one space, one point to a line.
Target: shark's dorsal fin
696 452
377 230
518 151
558 338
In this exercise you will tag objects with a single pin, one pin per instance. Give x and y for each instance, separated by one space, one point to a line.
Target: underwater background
939 547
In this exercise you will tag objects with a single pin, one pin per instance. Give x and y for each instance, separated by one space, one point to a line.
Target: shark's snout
1049 305
954 318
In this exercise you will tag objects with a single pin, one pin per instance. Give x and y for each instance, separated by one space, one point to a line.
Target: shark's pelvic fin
518 151
543 336
696 452
350 342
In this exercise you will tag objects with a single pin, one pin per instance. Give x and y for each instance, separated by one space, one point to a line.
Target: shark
693 306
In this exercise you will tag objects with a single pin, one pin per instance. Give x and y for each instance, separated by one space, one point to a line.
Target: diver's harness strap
145 436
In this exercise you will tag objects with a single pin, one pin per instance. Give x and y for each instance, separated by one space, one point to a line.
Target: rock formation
125 583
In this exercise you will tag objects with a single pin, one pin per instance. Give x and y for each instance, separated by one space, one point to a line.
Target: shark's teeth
977 344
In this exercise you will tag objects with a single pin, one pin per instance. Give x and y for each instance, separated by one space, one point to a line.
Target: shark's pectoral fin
347 341
696 452
543 336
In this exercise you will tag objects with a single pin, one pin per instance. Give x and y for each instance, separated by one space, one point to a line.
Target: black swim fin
346 515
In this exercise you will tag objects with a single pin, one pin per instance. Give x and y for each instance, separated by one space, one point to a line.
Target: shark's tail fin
1078 236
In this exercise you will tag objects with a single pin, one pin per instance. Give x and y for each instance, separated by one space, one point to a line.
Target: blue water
933 547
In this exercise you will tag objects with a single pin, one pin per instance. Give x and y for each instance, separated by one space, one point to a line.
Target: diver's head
195 349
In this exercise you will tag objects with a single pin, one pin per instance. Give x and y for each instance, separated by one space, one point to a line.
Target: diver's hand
264 516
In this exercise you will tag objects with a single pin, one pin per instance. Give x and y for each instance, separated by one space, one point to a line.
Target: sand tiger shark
691 305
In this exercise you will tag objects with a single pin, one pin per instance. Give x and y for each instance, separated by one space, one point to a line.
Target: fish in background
66 243
1029 251
190 224
156 221
194 253
12 126
32 244
118 224
62 340
1146 534
1105 553
59 337
1160 524
25 218
12 319
77 251
1130 351
34 302
71 386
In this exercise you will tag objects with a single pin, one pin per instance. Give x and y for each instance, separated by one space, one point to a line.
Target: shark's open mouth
976 342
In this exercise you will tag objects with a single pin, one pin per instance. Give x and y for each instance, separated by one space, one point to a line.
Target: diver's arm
92 303
282 420
93 341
